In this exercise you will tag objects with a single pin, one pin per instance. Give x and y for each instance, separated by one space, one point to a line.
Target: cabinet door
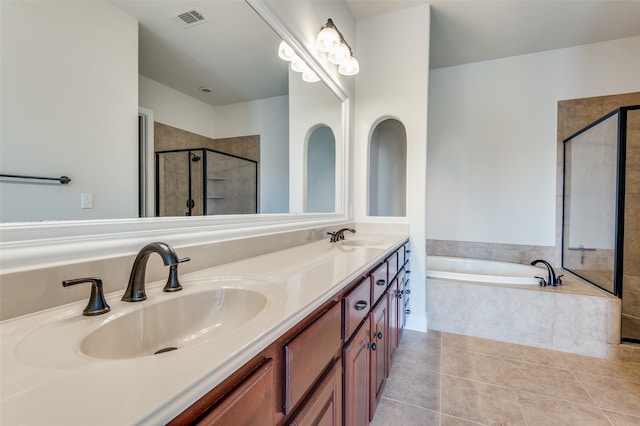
324 408
379 354
394 304
356 377
251 403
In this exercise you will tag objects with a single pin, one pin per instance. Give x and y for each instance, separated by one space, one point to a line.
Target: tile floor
449 379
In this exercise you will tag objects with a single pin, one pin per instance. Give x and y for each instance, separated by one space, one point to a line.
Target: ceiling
235 53
472 31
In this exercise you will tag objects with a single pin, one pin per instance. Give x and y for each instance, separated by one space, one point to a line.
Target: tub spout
552 280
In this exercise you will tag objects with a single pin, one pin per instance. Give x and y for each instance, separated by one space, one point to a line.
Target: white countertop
46 379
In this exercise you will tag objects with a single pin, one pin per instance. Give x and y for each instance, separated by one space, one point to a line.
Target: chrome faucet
552 279
339 235
135 291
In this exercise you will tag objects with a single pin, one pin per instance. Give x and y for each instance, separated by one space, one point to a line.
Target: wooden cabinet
250 403
309 354
329 369
325 405
357 363
379 353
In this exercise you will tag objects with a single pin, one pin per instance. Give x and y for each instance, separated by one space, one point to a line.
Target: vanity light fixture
331 41
286 53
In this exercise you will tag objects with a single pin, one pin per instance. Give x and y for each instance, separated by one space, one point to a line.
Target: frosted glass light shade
349 66
339 54
327 39
309 76
298 64
285 51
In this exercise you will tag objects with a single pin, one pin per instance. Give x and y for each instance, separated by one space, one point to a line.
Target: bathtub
487 271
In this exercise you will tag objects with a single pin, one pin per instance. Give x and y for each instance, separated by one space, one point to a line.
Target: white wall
393 83
69 107
321 171
266 117
491 168
311 105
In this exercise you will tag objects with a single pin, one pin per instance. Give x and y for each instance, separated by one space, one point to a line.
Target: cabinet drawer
392 266
379 282
309 354
251 403
356 307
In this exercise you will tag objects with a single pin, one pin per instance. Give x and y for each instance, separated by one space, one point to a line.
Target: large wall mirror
79 79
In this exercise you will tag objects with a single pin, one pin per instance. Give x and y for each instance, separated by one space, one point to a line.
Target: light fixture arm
330 24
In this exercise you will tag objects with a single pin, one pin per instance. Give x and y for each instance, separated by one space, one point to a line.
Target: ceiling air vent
188 18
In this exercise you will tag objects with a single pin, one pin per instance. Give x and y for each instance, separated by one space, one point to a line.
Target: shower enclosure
601 210
195 182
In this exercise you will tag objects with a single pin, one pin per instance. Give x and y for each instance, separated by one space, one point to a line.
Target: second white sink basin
173 323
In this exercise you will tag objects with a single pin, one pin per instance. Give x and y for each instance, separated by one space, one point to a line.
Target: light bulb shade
349 66
327 39
285 52
298 64
309 76
339 54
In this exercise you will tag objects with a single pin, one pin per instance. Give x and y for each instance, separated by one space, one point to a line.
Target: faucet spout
339 234
552 279
135 291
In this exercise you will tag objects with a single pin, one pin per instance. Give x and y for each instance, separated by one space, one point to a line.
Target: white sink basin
173 324
203 311
363 242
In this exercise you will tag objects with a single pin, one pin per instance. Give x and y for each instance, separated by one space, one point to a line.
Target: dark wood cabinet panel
357 363
251 403
356 306
393 303
379 282
324 407
379 354
309 354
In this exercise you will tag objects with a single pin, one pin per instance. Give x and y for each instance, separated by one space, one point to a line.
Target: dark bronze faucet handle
173 283
97 304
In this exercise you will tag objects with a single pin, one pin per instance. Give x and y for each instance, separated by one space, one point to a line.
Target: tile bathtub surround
491 251
448 379
575 317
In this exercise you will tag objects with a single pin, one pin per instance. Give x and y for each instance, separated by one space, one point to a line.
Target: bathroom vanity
298 336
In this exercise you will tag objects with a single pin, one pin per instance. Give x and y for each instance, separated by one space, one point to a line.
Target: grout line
590 396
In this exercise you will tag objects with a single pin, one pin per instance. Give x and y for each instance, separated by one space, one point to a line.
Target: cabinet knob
408 311
381 282
97 304
361 305
372 346
408 250
407 291
399 295
378 335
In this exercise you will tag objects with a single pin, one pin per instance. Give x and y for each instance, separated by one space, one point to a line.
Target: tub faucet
339 235
552 280
135 291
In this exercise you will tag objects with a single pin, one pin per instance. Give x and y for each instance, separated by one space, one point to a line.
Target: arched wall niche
388 168
320 186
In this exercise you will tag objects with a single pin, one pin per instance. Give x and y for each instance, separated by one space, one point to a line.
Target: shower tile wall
492 251
574 115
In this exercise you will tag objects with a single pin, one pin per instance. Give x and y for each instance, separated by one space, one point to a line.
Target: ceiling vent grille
188 18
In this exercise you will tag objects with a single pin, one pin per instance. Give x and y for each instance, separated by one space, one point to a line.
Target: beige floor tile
604 367
612 394
533 355
480 402
548 381
454 421
543 411
391 412
414 386
476 366
424 353
471 344
622 419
